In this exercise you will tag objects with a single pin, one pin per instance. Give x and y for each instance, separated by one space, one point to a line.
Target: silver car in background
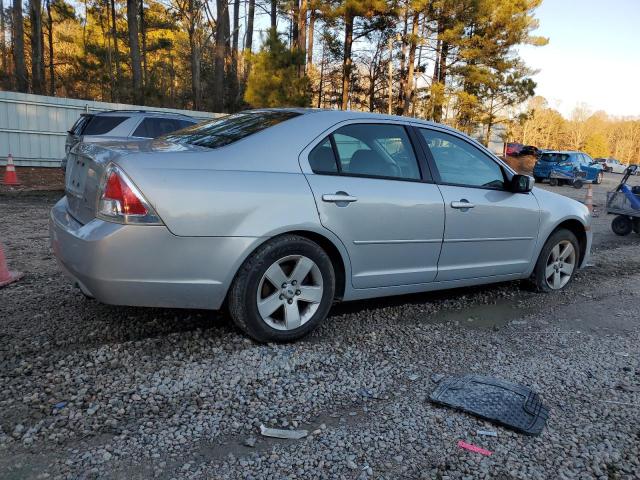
123 125
276 214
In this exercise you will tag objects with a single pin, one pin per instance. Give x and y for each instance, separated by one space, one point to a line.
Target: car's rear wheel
621 225
283 291
577 183
553 182
557 262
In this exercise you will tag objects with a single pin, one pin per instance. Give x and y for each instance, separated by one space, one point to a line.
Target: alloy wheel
560 265
290 292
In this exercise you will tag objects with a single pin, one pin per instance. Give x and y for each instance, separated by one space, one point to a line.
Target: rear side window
156 126
367 150
322 159
229 129
101 125
554 157
80 124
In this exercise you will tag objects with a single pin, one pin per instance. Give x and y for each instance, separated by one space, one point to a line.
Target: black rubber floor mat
508 404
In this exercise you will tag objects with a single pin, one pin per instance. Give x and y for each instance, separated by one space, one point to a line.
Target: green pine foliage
274 80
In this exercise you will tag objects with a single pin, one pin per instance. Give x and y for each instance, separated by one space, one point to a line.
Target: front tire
599 178
558 261
283 290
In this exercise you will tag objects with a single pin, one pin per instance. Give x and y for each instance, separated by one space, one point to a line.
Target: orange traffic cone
10 176
6 276
588 201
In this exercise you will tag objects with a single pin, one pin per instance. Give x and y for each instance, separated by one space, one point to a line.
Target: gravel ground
95 391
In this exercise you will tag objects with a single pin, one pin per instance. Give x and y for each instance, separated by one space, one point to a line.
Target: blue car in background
573 164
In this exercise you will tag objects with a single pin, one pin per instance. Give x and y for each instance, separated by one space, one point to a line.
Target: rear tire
558 262
599 178
294 307
621 225
577 184
553 182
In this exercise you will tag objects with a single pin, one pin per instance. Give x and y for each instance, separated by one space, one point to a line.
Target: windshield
228 129
554 157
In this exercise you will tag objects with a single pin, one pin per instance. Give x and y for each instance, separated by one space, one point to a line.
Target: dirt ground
96 391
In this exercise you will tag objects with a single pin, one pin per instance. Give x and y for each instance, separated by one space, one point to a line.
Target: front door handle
462 204
338 197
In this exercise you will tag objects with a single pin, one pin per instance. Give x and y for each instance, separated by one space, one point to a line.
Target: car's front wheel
599 178
558 261
283 290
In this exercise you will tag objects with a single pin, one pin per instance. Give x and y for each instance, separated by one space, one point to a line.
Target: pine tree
274 80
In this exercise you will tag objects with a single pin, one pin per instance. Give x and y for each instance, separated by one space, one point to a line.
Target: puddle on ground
483 317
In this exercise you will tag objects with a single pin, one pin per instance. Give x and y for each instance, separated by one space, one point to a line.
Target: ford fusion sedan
277 214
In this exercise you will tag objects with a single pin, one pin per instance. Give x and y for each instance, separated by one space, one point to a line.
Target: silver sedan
276 214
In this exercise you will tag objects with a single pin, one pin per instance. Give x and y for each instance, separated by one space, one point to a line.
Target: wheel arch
578 229
333 247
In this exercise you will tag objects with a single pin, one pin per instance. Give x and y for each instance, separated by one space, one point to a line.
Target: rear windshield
99 125
80 124
554 157
231 128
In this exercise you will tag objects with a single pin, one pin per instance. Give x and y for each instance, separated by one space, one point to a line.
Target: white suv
123 125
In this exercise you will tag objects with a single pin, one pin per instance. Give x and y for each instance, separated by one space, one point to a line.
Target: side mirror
522 183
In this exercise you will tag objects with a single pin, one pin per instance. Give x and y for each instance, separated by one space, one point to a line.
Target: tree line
452 61
595 133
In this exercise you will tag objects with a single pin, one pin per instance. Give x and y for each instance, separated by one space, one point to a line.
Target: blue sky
593 55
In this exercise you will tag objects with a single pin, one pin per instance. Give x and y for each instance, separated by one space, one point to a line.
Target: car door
373 191
489 231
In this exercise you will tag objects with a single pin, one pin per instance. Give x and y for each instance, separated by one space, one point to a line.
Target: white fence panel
33 128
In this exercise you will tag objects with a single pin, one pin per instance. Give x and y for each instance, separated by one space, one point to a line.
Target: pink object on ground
473 448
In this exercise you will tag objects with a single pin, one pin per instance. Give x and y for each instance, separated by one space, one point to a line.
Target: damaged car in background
276 214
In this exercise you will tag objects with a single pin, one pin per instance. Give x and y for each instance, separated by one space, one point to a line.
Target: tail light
121 201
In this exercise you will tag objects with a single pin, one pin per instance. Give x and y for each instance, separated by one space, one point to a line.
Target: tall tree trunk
347 61
22 84
320 86
116 52
52 77
143 48
134 47
220 55
37 50
233 83
274 14
3 43
302 34
248 41
194 49
107 37
312 24
440 72
403 61
412 59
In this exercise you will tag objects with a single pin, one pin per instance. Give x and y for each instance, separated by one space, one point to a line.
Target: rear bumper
144 265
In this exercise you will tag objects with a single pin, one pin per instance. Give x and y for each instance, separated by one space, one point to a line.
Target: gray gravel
94 391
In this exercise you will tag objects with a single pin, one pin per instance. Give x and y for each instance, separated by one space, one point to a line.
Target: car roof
116 113
339 115
563 152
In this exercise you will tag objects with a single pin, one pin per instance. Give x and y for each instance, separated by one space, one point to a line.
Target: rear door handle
462 204
338 197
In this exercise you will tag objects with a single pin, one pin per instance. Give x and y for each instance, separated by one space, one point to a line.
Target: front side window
460 163
370 150
229 129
